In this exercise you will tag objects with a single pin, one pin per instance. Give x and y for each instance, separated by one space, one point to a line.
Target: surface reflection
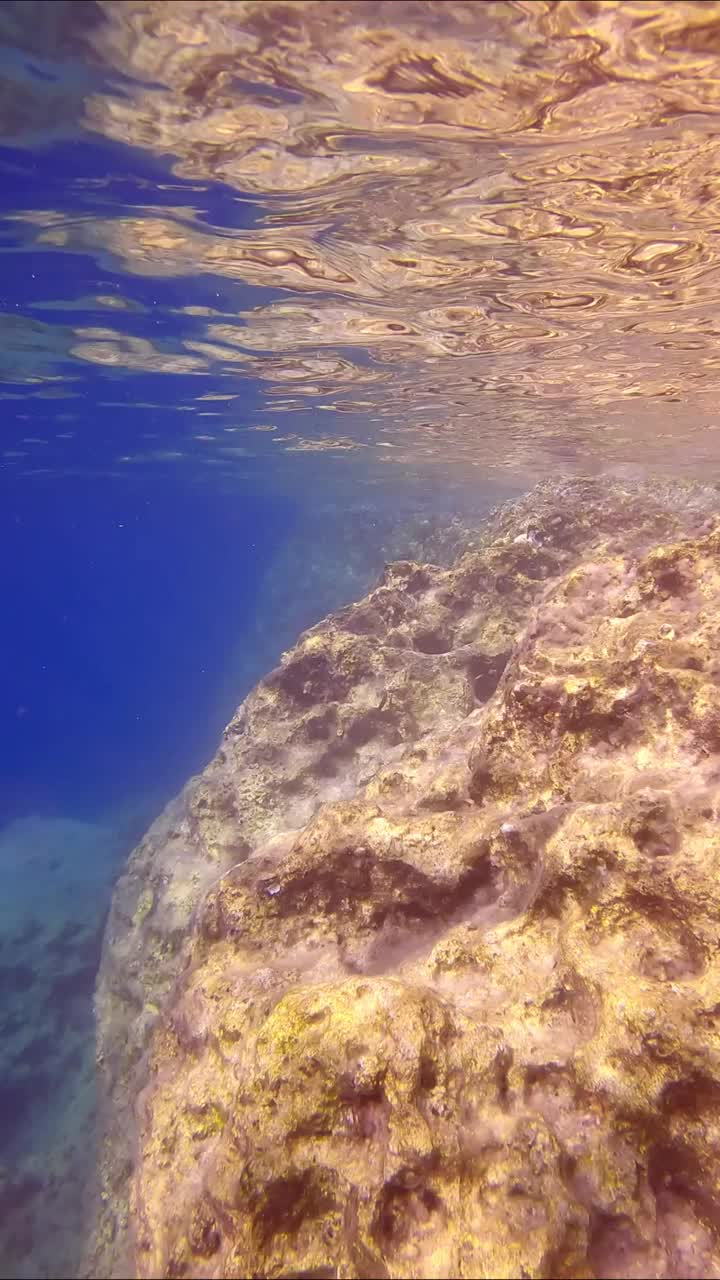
481 233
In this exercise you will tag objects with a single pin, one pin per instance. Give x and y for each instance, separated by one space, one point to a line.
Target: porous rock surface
421 978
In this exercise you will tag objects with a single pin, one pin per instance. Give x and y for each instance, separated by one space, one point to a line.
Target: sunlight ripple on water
472 233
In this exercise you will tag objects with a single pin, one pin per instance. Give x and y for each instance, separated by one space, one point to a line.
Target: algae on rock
429 982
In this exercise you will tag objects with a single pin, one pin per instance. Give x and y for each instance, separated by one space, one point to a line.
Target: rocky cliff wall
419 978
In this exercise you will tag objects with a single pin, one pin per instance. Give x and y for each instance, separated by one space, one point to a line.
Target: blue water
126 593
134 620
126 604
126 596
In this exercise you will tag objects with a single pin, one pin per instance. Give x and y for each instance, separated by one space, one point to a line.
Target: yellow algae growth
430 970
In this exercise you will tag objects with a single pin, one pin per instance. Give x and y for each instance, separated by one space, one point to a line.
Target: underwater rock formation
420 977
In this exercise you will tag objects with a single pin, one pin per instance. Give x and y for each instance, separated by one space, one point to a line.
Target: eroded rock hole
671 582
691 1096
652 827
204 1236
675 1171
369 1108
432 641
404 1206
428 1073
485 671
287 1202
615 1248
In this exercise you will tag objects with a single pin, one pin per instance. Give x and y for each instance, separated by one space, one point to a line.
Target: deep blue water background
123 596
123 605
126 596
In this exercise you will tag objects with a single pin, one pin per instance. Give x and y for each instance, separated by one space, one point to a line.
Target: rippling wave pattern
472 233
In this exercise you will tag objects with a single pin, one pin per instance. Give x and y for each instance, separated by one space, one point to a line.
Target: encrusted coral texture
434 989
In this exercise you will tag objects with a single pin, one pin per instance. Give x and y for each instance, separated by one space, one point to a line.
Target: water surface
458 234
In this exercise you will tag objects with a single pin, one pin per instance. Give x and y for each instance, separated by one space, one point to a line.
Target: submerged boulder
421 977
